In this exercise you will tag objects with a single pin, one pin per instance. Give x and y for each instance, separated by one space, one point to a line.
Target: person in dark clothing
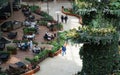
66 18
63 50
62 18
46 36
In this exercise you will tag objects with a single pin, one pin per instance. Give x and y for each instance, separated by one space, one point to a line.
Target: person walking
62 18
63 50
66 18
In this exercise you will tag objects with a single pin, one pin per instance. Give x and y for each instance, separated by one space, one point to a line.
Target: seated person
23 46
48 36
48 24
31 36
36 49
26 23
36 29
52 36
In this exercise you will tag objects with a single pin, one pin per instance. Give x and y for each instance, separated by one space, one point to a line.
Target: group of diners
29 37
31 24
36 49
30 20
49 36
29 45
24 45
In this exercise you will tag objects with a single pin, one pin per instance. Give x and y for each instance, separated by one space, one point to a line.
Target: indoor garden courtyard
59 37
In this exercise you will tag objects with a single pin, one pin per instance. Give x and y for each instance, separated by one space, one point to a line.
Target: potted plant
51 53
60 26
35 8
55 50
16 41
43 23
12 49
33 61
42 55
29 30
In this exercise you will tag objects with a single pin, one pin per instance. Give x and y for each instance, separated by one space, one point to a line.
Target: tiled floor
21 55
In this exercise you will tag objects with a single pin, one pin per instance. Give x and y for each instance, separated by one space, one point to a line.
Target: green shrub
43 53
4 52
44 23
37 57
34 42
34 8
33 61
59 26
46 16
12 49
56 46
16 41
66 10
29 30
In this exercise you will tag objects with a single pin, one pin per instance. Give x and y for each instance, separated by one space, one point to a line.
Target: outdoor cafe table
20 64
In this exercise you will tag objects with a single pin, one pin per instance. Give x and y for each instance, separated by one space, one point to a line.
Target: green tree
99 53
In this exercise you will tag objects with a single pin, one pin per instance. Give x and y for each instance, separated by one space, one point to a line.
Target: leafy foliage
34 8
29 30
115 5
99 59
43 23
100 50
90 34
46 16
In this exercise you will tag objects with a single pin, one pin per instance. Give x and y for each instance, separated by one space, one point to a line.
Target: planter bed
55 54
43 58
32 71
78 16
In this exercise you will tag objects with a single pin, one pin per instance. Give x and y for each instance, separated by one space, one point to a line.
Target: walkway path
71 62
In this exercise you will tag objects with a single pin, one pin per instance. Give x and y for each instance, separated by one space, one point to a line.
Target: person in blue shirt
63 50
